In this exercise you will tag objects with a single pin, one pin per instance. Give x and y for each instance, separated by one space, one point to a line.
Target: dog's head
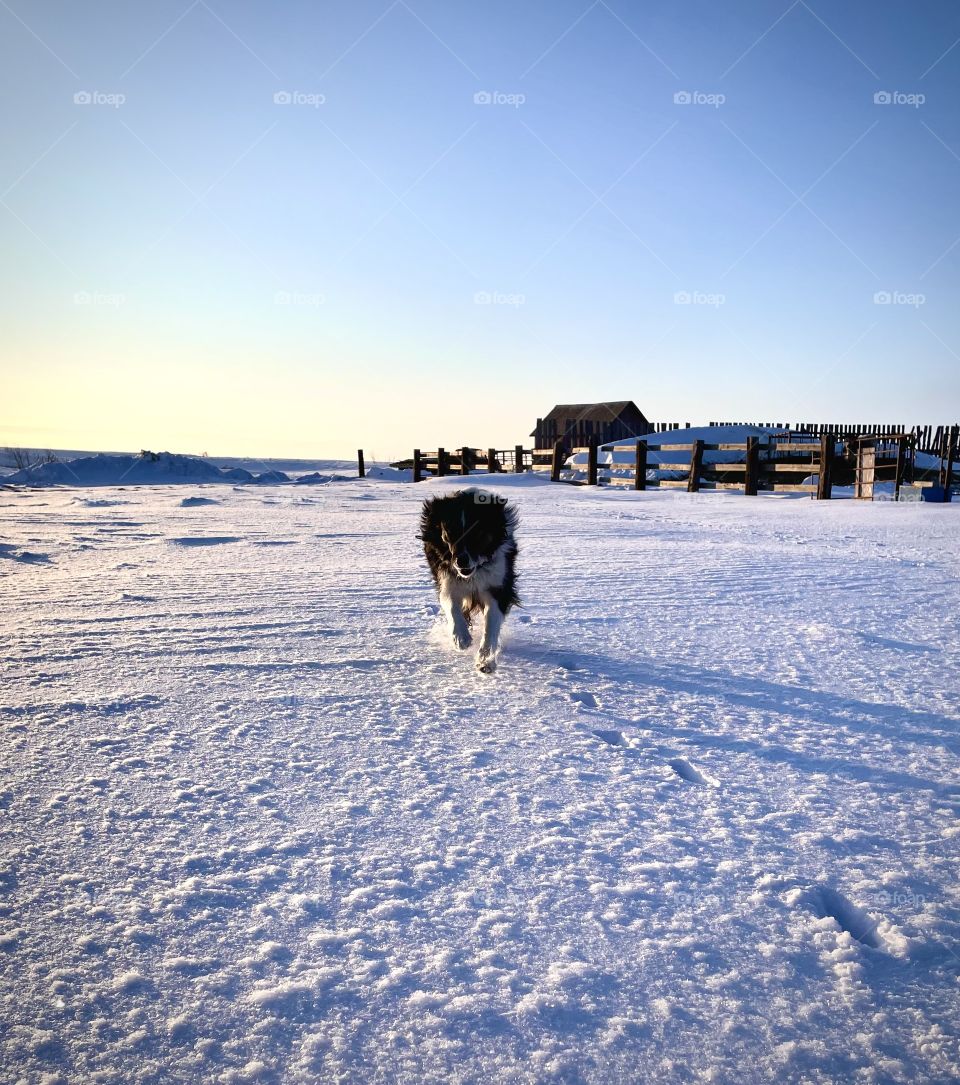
467 528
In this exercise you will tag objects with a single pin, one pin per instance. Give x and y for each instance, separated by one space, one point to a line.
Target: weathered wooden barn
578 424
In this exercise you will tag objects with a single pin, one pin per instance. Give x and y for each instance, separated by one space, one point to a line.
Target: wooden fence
773 464
931 439
462 461
631 465
778 462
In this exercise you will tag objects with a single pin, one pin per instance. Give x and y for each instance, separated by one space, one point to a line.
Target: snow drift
157 469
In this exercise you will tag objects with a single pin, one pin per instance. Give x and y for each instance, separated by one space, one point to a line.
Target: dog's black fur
468 539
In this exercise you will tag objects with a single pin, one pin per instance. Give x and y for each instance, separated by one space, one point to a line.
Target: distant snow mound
390 474
149 468
375 473
238 474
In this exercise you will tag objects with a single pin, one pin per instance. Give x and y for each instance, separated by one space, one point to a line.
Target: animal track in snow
825 903
691 774
612 738
586 699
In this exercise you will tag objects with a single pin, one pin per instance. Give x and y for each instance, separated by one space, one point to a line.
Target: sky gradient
297 230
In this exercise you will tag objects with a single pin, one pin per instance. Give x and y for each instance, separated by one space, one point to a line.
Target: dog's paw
461 641
486 664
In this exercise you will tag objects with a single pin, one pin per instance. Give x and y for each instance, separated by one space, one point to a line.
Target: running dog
468 540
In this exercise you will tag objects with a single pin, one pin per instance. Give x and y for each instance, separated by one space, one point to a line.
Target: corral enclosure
260 823
746 458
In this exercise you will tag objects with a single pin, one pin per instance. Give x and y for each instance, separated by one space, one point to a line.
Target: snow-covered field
259 823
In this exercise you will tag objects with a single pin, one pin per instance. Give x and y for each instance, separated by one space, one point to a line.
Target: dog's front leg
492 622
452 604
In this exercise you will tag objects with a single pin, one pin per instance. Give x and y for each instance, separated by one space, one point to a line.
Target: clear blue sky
202 268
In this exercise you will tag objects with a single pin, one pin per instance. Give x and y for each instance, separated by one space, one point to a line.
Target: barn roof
595 412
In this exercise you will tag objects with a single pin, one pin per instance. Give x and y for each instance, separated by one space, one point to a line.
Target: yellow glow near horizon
244 410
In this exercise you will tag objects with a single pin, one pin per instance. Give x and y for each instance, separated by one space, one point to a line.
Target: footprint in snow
692 775
612 738
825 903
586 699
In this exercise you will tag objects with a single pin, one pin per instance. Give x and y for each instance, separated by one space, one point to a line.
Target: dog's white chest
488 576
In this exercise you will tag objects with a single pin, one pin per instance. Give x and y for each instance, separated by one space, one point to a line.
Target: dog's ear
510 517
430 522
501 515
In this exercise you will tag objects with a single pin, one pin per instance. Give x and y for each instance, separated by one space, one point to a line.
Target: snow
260 823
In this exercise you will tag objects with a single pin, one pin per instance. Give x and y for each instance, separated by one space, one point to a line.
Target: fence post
518 460
361 470
946 463
866 469
441 463
640 466
696 462
491 461
556 464
592 463
825 476
417 466
901 464
752 473
464 460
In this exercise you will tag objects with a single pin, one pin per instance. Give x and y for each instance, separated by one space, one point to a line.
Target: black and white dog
471 551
